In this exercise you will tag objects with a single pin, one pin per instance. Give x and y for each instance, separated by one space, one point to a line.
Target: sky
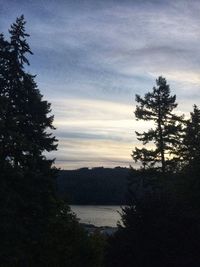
91 58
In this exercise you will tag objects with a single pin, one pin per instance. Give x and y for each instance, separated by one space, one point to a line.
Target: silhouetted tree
161 227
36 228
189 151
27 177
190 147
157 106
155 234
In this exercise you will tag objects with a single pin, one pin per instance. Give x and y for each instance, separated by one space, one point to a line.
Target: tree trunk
162 152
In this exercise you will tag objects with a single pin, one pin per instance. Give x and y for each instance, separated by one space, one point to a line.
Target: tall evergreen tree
36 227
27 177
157 106
190 147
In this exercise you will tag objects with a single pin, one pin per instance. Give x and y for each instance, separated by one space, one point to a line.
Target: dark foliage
162 226
100 186
27 177
36 228
156 234
190 147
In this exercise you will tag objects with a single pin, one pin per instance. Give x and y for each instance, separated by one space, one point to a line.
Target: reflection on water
98 215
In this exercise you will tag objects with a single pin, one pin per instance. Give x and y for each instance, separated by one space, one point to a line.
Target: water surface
98 215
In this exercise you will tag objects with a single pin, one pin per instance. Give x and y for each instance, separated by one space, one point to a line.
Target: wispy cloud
91 58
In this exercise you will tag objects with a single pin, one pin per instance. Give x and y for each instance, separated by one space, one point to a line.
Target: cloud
94 132
92 153
92 57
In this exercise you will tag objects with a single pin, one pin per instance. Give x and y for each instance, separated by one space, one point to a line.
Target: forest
104 186
160 226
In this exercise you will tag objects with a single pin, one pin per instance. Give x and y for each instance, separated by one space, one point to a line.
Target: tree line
104 186
160 227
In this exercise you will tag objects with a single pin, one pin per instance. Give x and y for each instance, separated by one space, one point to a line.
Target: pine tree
27 176
36 227
190 147
4 102
157 106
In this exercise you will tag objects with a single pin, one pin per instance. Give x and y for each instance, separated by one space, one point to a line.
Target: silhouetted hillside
94 186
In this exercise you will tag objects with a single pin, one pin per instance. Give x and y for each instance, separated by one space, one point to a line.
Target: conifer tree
190 147
27 176
157 106
36 227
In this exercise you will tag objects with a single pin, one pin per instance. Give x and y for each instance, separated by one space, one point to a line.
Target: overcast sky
92 57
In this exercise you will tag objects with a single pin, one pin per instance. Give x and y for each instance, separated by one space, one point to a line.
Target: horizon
92 168
92 57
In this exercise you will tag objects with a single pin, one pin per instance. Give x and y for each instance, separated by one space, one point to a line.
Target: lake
97 215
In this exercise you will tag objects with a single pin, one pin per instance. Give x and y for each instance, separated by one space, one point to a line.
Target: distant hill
97 186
